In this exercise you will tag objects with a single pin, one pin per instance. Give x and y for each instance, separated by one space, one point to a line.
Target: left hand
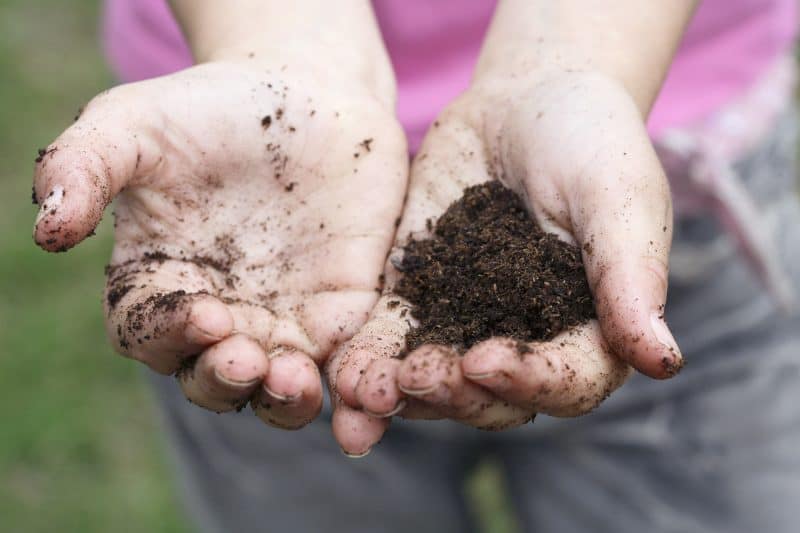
255 205
573 145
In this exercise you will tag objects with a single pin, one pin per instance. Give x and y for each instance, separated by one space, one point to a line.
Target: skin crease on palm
574 146
253 217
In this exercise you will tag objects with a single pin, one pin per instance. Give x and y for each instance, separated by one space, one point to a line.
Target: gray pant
716 449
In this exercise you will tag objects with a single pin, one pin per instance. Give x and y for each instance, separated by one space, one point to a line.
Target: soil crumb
489 270
117 293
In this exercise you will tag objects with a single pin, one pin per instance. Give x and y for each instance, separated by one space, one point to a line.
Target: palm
277 202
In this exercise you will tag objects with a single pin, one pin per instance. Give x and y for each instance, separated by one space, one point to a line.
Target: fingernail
399 407
497 381
418 392
235 383
664 336
50 202
356 455
481 375
284 398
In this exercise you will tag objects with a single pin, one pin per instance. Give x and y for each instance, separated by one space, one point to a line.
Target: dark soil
489 270
144 312
117 293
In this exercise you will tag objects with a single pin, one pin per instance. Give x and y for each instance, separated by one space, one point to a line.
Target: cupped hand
255 207
574 147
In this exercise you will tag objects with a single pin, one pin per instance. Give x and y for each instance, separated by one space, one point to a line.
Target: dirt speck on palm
489 270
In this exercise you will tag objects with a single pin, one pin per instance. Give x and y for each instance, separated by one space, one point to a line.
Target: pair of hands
255 212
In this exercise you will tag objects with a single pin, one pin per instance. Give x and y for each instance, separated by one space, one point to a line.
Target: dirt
121 276
147 312
157 256
42 152
489 270
117 293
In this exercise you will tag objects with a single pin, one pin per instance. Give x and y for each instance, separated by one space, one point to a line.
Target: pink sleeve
728 46
434 45
142 39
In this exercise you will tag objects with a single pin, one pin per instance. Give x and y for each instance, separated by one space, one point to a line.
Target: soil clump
489 270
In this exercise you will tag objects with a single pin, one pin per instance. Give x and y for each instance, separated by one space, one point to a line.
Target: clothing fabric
698 160
729 45
714 449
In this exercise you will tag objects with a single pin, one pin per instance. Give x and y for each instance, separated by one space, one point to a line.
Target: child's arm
342 34
629 41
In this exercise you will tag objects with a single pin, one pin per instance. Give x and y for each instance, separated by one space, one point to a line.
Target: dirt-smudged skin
242 220
548 139
488 270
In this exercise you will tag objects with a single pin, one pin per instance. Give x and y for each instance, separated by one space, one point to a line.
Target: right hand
255 209
574 148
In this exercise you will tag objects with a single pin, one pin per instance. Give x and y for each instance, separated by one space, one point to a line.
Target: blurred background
80 446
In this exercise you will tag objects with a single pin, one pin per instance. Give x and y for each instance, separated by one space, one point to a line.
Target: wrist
556 103
628 41
330 64
522 75
339 39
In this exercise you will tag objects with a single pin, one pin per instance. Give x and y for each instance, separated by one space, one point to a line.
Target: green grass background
80 449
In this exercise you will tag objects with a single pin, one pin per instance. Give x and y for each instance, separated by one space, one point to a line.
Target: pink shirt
434 46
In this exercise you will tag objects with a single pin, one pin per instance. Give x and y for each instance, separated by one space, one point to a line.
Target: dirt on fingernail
489 270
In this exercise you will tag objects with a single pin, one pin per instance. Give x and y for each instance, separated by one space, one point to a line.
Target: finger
626 230
381 338
432 374
78 174
355 431
364 371
351 365
291 395
152 320
567 376
377 391
226 375
617 206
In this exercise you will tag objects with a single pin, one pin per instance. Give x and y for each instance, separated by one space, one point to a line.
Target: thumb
608 190
623 221
79 174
